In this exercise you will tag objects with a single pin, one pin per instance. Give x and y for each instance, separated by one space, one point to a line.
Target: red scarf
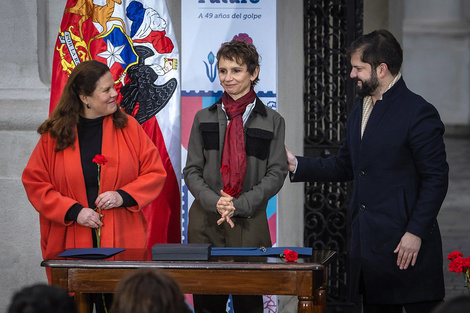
234 155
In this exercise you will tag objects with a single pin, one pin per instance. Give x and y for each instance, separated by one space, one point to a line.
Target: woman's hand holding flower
89 218
108 200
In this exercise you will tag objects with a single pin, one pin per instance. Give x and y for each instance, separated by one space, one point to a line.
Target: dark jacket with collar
400 178
265 173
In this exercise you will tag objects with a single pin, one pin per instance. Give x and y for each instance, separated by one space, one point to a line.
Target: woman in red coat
66 186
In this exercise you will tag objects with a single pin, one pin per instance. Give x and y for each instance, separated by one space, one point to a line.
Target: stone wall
24 105
436 41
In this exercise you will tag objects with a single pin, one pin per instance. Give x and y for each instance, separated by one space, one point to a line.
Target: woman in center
236 162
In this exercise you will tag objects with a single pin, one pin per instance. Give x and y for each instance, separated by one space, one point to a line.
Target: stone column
29 29
19 51
436 46
290 44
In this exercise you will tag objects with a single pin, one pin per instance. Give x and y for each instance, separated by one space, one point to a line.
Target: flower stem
98 232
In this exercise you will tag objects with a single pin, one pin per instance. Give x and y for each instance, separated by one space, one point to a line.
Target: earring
88 106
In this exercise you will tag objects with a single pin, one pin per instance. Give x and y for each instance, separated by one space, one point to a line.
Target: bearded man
395 154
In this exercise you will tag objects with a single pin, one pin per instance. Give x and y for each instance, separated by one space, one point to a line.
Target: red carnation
457 265
466 262
100 159
290 256
454 255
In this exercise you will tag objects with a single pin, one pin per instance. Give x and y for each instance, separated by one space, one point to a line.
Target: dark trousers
418 307
101 302
218 304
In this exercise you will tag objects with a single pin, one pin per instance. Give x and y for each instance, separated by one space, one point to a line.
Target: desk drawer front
197 281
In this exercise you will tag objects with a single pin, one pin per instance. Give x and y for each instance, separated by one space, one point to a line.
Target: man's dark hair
377 47
42 298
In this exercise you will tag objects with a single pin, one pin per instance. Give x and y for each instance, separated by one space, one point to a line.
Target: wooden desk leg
305 305
82 302
320 301
319 295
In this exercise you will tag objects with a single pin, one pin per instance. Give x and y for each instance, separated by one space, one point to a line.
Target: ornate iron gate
329 27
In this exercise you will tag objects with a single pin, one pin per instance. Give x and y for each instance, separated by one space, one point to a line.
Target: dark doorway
329 28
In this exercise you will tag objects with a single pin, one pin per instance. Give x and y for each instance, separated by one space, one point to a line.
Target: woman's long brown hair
63 120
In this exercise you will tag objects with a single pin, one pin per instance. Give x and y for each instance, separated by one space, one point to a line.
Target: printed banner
206 25
137 42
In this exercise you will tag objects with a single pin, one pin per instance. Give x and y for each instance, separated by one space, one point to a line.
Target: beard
368 86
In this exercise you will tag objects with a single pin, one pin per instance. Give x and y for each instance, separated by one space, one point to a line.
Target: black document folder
181 252
90 253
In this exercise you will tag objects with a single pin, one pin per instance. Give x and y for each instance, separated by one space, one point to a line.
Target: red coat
54 182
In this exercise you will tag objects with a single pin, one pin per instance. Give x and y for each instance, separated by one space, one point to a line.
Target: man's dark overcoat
400 178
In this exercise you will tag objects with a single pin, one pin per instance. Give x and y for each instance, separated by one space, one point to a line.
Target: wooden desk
219 275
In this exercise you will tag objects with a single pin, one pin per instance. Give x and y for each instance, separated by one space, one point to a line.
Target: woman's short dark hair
82 81
148 291
242 53
377 47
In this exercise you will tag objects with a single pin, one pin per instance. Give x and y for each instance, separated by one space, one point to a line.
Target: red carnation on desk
459 265
290 256
100 160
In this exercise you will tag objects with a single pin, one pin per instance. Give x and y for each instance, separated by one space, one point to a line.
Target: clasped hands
225 208
107 200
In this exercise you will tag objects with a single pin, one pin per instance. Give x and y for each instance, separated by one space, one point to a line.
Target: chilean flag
137 41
